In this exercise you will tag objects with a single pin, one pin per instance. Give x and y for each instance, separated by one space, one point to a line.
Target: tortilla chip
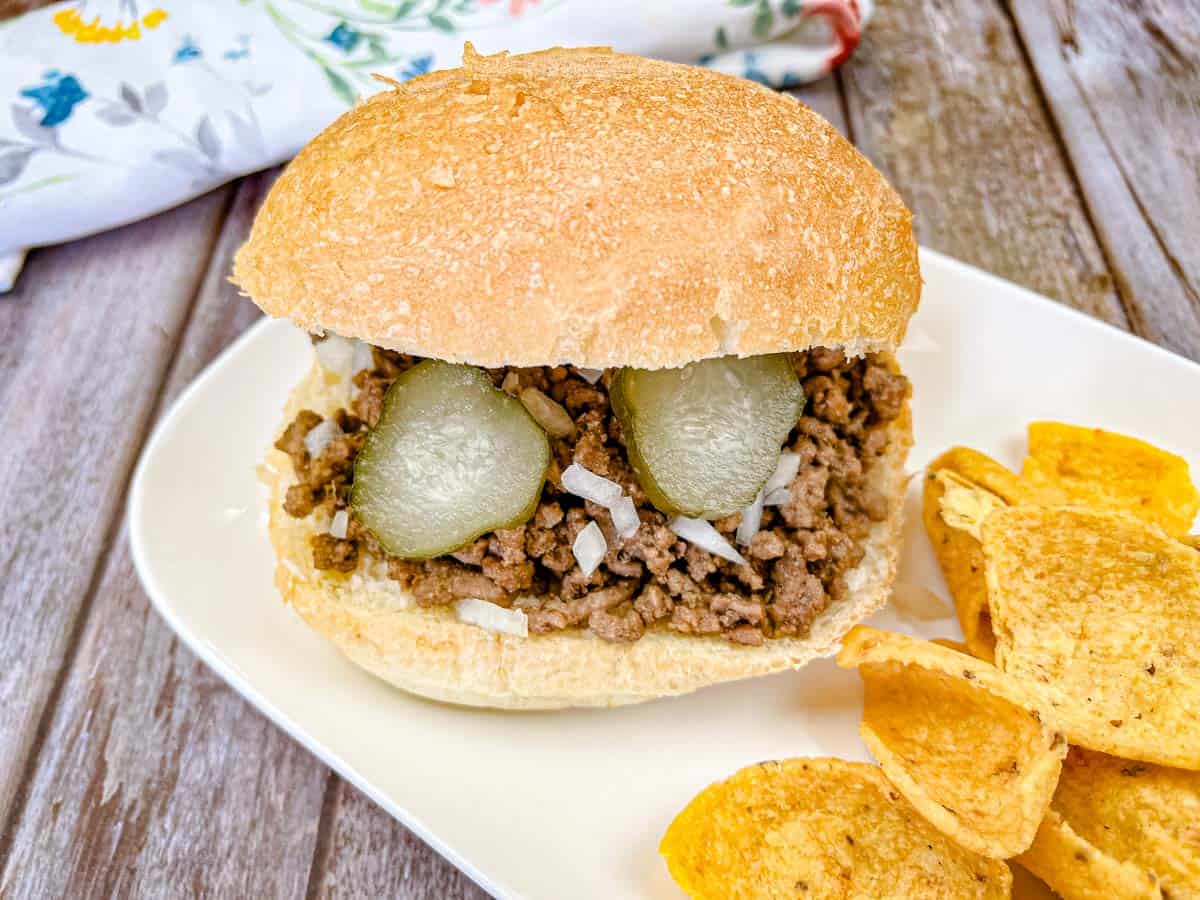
1101 611
1077 871
956 646
1027 886
966 485
981 469
819 828
963 504
1120 823
1090 467
957 737
1137 812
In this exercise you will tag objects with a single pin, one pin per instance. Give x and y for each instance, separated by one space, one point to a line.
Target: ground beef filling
796 564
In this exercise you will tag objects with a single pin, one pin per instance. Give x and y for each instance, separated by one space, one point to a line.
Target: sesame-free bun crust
429 652
588 207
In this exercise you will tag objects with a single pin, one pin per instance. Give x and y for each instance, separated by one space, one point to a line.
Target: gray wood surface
1125 92
942 102
152 772
1054 143
10 8
98 322
367 854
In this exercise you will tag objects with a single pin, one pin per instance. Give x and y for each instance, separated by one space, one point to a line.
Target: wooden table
1053 143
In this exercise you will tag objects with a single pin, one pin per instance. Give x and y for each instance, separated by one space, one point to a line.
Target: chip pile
1077 586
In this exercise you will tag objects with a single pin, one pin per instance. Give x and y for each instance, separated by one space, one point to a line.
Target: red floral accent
515 7
846 20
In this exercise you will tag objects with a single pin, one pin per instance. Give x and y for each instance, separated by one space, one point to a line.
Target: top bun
586 207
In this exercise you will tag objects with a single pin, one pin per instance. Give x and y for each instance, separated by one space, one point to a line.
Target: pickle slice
451 458
705 438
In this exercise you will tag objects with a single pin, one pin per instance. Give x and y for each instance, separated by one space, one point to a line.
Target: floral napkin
113 110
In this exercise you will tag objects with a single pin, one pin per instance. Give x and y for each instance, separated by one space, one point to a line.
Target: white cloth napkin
112 110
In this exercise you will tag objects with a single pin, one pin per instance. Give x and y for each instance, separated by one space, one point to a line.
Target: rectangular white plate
550 805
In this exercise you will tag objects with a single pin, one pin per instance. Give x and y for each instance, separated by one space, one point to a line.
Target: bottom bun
427 651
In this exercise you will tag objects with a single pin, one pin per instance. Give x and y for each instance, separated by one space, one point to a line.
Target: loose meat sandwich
604 407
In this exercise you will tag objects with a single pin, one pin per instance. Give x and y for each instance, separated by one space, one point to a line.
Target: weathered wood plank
10 8
369 854
153 774
101 321
1123 82
941 100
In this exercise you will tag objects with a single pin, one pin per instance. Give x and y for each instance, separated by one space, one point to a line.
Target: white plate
549 805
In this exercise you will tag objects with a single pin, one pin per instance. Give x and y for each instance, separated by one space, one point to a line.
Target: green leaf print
340 86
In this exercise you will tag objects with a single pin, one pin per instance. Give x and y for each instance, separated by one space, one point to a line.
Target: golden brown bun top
589 207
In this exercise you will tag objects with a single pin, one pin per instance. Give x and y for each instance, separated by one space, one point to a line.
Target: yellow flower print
106 21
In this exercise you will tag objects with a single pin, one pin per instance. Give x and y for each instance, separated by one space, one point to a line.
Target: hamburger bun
427 651
586 207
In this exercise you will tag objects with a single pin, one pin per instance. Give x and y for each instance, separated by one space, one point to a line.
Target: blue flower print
344 38
188 50
752 71
241 51
418 65
56 96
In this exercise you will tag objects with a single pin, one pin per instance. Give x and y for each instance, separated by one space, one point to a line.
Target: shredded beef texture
796 564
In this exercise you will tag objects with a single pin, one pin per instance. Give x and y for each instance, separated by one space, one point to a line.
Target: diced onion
785 472
334 353
701 533
625 517
587 484
751 521
343 357
339 524
321 436
591 376
778 487
589 548
474 611
550 415
777 497
363 358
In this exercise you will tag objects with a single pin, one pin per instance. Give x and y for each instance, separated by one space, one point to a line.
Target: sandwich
603 405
